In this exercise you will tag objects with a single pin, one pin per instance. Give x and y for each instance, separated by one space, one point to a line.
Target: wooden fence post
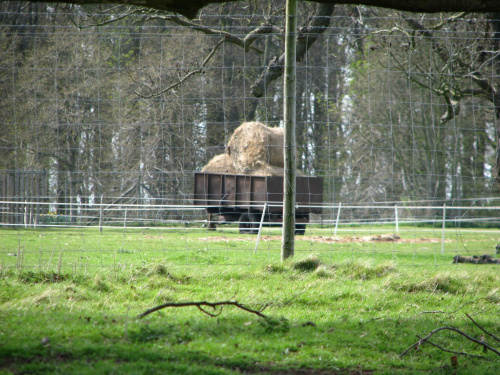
289 183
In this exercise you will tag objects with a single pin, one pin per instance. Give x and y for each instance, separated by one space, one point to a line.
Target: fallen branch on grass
482 259
452 351
216 307
480 342
482 329
469 302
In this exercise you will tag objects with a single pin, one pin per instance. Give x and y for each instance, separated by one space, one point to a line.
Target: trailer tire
300 229
249 223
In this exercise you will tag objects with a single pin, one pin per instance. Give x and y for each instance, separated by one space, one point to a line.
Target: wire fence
107 114
119 237
24 214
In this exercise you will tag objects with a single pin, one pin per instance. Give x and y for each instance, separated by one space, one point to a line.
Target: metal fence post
444 225
338 218
396 217
101 212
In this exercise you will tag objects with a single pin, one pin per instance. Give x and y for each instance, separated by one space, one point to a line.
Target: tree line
391 106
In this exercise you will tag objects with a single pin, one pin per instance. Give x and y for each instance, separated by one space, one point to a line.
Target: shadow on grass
234 344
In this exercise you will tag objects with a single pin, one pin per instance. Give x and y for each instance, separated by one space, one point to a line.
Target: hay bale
254 149
270 170
266 170
254 146
224 164
220 164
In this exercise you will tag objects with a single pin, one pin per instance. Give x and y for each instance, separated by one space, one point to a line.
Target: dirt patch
382 238
225 239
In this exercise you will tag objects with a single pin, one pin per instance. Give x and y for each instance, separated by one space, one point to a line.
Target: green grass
69 301
84 250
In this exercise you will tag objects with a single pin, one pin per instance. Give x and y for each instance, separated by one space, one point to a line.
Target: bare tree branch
451 351
305 39
482 329
452 92
181 81
469 302
425 32
206 30
452 108
446 21
261 30
213 305
129 12
426 338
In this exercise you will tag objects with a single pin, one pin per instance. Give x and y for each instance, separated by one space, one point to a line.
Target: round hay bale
220 164
254 145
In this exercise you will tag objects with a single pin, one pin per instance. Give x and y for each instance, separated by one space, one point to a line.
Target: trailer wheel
300 229
248 223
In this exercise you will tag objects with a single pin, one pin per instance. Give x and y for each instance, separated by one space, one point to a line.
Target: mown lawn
70 300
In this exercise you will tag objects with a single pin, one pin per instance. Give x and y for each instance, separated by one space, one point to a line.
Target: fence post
396 218
139 200
444 225
17 195
289 117
125 218
338 218
26 213
260 227
101 211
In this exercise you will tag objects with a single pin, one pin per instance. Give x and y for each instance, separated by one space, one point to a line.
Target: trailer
250 200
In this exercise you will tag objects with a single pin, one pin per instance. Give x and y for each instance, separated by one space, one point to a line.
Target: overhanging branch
187 76
228 37
191 8
305 39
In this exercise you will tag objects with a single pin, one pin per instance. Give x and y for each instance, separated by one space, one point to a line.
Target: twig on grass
214 305
435 312
469 302
451 351
426 338
482 329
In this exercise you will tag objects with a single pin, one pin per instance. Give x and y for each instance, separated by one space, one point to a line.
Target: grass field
351 303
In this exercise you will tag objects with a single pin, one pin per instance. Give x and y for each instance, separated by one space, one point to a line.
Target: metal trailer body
242 198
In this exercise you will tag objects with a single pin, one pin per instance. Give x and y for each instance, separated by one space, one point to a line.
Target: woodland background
392 107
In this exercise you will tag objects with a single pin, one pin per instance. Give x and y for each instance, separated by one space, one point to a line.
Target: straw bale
220 164
254 146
